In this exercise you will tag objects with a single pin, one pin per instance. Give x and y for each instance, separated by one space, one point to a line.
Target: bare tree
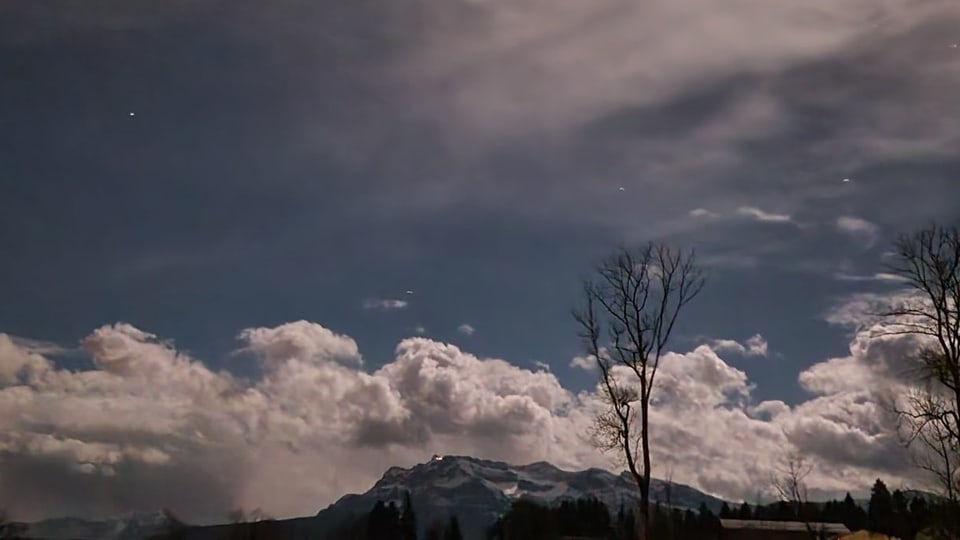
790 482
791 487
925 429
630 307
929 261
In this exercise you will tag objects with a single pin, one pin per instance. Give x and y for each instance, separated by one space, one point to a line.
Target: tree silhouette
453 530
929 261
408 520
880 509
630 308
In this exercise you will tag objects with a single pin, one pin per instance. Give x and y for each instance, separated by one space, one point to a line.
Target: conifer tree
880 509
725 512
453 530
408 520
853 516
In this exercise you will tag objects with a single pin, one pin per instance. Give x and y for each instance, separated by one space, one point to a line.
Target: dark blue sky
290 161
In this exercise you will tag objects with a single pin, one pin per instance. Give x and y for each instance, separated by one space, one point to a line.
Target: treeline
894 514
390 522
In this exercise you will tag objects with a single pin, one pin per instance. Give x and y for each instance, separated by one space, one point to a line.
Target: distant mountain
134 526
478 491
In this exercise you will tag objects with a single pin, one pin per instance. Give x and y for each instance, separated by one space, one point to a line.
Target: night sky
239 238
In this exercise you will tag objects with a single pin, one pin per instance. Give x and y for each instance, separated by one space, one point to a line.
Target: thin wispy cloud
859 229
703 213
384 304
757 214
879 276
466 329
45 348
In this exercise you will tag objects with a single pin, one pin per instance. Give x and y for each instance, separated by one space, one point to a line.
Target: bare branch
929 419
630 308
791 487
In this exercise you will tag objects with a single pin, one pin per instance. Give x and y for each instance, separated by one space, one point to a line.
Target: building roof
799 526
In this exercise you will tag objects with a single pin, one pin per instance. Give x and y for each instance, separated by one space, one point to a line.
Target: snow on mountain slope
478 491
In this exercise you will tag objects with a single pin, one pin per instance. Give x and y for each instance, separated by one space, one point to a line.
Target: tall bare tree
630 307
929 261
925 417
791 487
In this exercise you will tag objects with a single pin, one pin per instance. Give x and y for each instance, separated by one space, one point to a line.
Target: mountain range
132 526
477 491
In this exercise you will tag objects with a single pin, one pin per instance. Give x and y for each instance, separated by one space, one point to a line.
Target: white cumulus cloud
756 345
153 427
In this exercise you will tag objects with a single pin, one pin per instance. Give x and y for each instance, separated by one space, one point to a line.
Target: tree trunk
645 481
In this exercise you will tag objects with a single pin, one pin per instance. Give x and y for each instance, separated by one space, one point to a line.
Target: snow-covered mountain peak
479 490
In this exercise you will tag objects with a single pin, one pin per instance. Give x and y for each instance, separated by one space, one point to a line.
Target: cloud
153 427
759 215
302 340
703 213
756 345
859 229
588 362
538 66
466 329
40 347
542 366
879 276
384 304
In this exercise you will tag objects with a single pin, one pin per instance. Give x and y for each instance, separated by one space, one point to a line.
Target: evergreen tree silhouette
880 509
408 520
453 530
725 512
852 515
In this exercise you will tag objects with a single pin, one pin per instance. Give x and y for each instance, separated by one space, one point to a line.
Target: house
866 535
742 529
